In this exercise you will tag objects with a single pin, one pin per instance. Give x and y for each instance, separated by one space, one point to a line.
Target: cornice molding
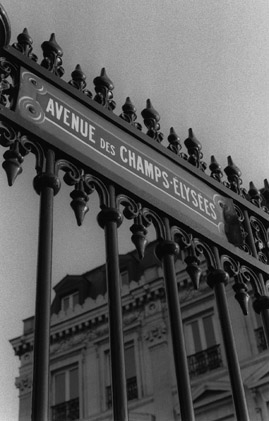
93 313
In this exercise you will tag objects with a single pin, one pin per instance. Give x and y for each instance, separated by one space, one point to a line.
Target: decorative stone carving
156 334
152 308
27 358
130 318
24 383
69 342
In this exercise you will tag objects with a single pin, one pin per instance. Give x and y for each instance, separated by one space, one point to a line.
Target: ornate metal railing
260 339
66 411
132 391
240 251
204 361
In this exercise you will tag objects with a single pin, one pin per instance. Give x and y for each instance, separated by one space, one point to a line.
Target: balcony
132 391
66 411
204 361
260 339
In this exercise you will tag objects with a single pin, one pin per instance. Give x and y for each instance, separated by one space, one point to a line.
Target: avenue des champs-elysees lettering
116 150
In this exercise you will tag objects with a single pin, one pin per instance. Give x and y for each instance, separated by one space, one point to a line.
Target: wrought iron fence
240 253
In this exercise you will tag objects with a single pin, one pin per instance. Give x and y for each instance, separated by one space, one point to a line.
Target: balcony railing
260 339
204 361
132 391
66 411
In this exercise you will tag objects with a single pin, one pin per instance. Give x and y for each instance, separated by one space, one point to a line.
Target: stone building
80 375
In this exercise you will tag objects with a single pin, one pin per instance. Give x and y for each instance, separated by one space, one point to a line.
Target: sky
204 65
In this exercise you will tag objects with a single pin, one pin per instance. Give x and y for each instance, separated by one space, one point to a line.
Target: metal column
166 251
110 219
47 185
217 280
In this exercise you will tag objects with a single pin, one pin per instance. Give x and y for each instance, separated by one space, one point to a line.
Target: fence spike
24 45
103 88
52 53
151 120
129 113
215 168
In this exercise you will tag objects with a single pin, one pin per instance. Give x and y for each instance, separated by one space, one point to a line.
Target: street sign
115 153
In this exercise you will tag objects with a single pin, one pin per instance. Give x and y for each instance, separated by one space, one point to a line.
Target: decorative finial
129 113
233 174
265 195
52 53
24 45
254 195
78 81
103 88
79 202
12 163
151 120
174 142
194 148
215 168
139 237
265 190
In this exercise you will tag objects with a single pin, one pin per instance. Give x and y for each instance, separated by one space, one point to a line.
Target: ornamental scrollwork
189 254
192 250
232 268
153 218
256 280
261 238
84 185
245 235
93 183
134 211
9 80
242 276
19 146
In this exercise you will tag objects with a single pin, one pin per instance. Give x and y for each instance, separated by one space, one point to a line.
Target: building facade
80 359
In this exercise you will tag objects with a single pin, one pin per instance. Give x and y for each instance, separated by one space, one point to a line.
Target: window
124 276
130 371
202 347
70 301
259 334
65 386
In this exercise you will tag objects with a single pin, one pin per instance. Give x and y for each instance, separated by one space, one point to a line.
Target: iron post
47 185
110 219
217 280
166 251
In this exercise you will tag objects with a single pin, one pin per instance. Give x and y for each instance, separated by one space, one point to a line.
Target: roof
93 283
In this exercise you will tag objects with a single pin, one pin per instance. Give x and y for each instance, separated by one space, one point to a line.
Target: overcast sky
204 64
